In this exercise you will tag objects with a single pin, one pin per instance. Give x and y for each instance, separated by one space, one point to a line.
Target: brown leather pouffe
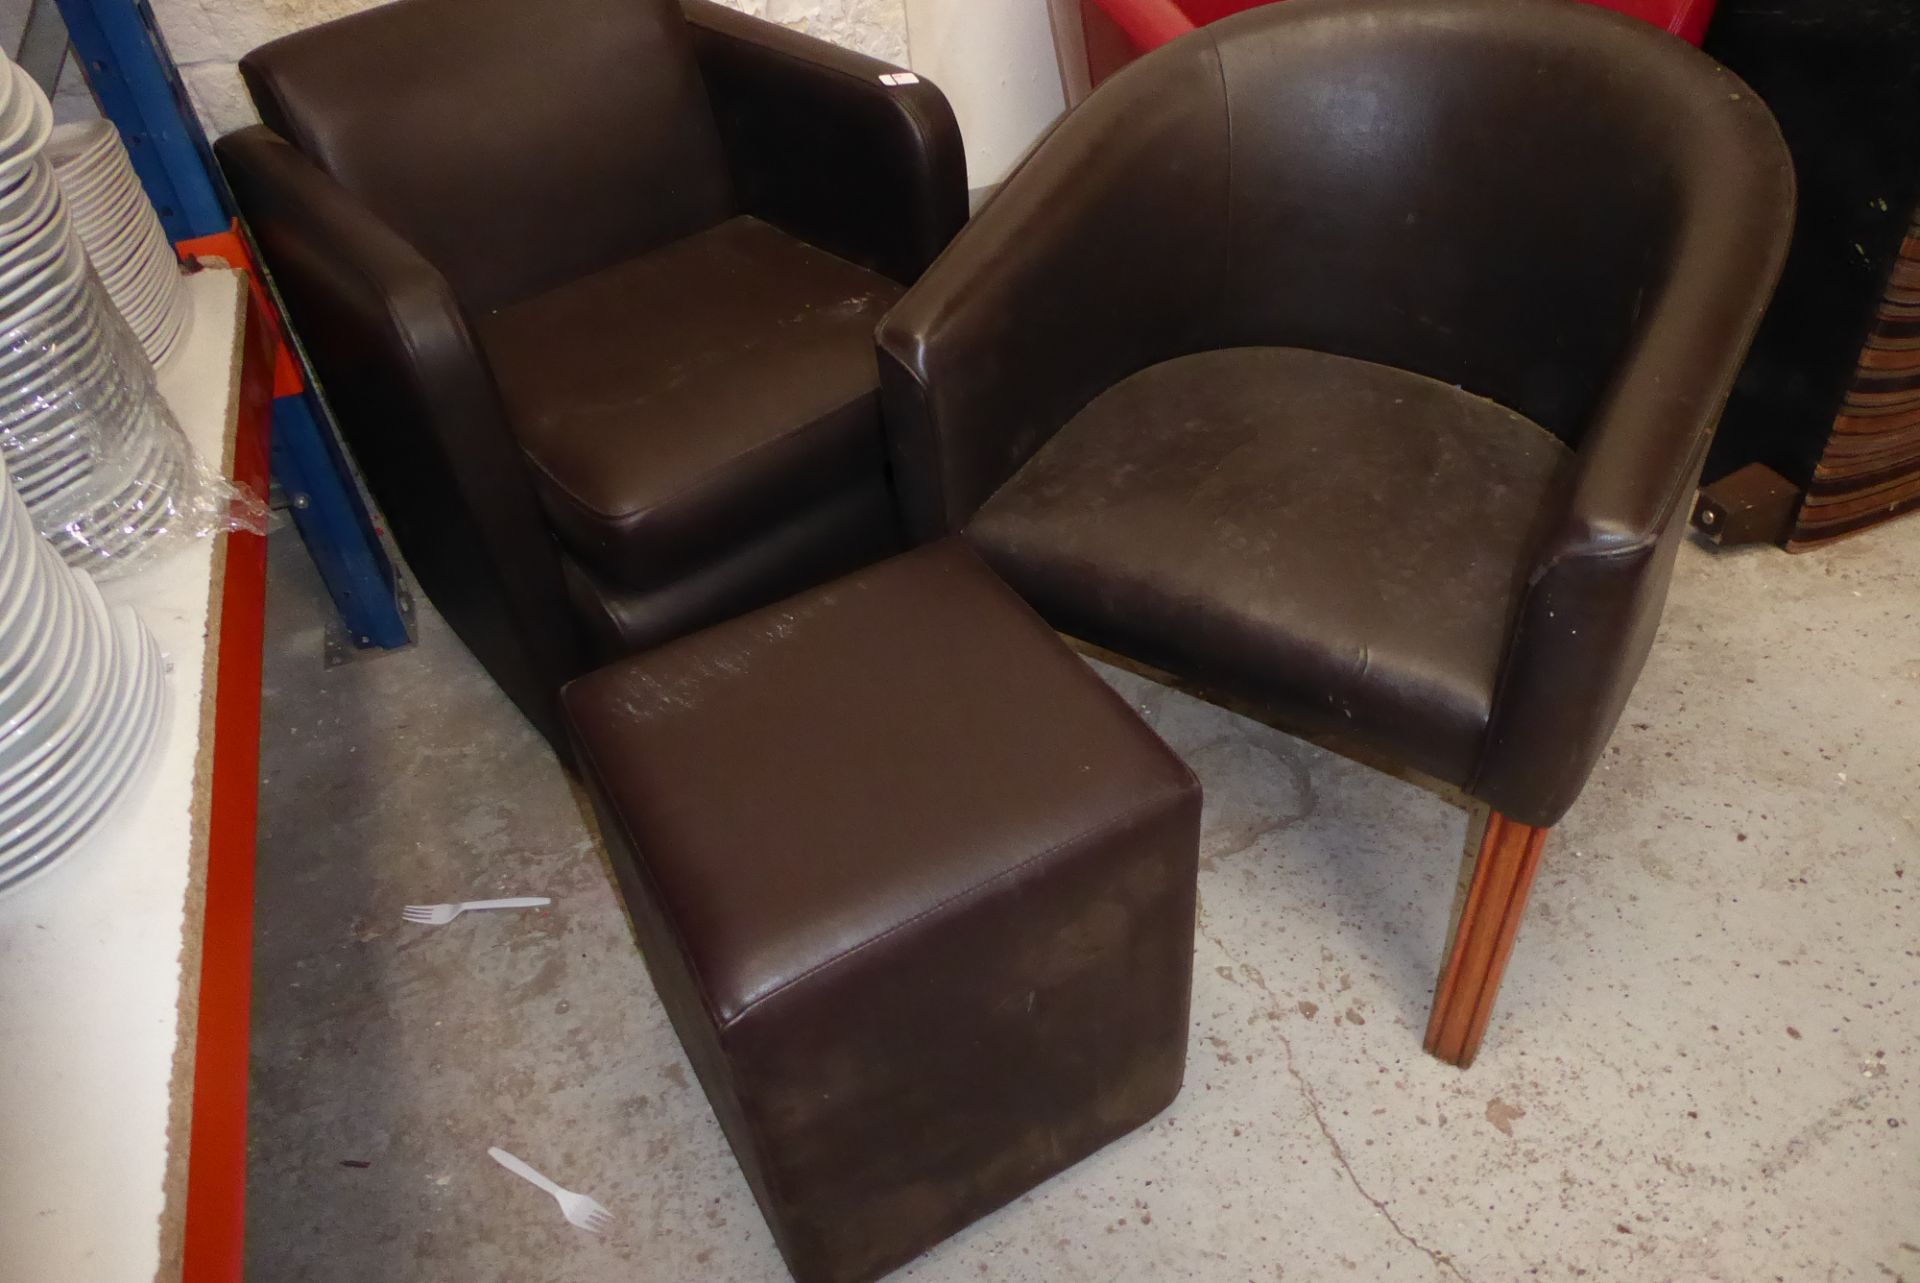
916 888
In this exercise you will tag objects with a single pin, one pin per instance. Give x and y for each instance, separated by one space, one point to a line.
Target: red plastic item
1118 31
212 1247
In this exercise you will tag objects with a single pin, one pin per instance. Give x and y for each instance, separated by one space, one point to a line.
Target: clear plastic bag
94 450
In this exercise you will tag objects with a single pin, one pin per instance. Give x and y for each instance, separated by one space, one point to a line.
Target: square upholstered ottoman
916 888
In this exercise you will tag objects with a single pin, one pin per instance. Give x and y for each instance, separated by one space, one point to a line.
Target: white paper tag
897 78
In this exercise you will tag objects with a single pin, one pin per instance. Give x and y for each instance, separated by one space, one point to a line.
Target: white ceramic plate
66 350
16 124
30 296
36 629
94 193
25 610
144 284
6 93
27 203
69 696
74 474
34 252
62 772
127 529
120 251
77 141
82 146
151 481
169 341
99 187
34 319
94 199
50 631
42 849
25 130
146 714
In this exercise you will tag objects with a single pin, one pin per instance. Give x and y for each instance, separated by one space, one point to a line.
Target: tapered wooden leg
1502 877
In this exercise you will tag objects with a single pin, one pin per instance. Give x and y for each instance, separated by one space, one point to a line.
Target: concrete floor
1705 1065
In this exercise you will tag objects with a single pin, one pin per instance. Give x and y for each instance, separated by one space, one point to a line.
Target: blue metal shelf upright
138 87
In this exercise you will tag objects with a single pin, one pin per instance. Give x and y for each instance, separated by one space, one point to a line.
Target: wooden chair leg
1502 877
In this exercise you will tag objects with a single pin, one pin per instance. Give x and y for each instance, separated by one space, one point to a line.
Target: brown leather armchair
591 287
1358 357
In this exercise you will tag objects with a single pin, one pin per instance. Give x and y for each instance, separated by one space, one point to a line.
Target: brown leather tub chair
591 287
1358 357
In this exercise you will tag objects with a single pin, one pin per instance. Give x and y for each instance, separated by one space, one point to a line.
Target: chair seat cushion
676 404
853 528
1342 540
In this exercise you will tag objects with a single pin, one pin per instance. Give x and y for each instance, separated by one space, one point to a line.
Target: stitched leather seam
1688 478
585 752
741 1103
1093 834
945 514
1666 511
269 83
1604 558
625 522
1522 638
456 329
1639 545
1226 110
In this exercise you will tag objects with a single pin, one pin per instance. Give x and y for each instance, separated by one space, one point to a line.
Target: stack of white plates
82 698
91 447
122 234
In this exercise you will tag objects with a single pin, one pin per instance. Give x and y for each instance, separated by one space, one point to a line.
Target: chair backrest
1482 191
516 144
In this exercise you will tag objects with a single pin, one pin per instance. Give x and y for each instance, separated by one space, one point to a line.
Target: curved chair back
1500 194
1486 192
569 134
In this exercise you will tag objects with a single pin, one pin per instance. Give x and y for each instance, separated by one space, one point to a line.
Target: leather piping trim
1641 544
1602 559
1226 219
283 127
756 1132
945 516
627 521
303 144
1100 830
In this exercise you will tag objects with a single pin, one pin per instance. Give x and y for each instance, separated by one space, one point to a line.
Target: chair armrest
819 147
417 404
1599 578
1103 253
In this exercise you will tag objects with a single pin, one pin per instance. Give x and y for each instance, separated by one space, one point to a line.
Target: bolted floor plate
341 647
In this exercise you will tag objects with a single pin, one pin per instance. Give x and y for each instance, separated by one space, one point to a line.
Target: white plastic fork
438 915
578 1208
